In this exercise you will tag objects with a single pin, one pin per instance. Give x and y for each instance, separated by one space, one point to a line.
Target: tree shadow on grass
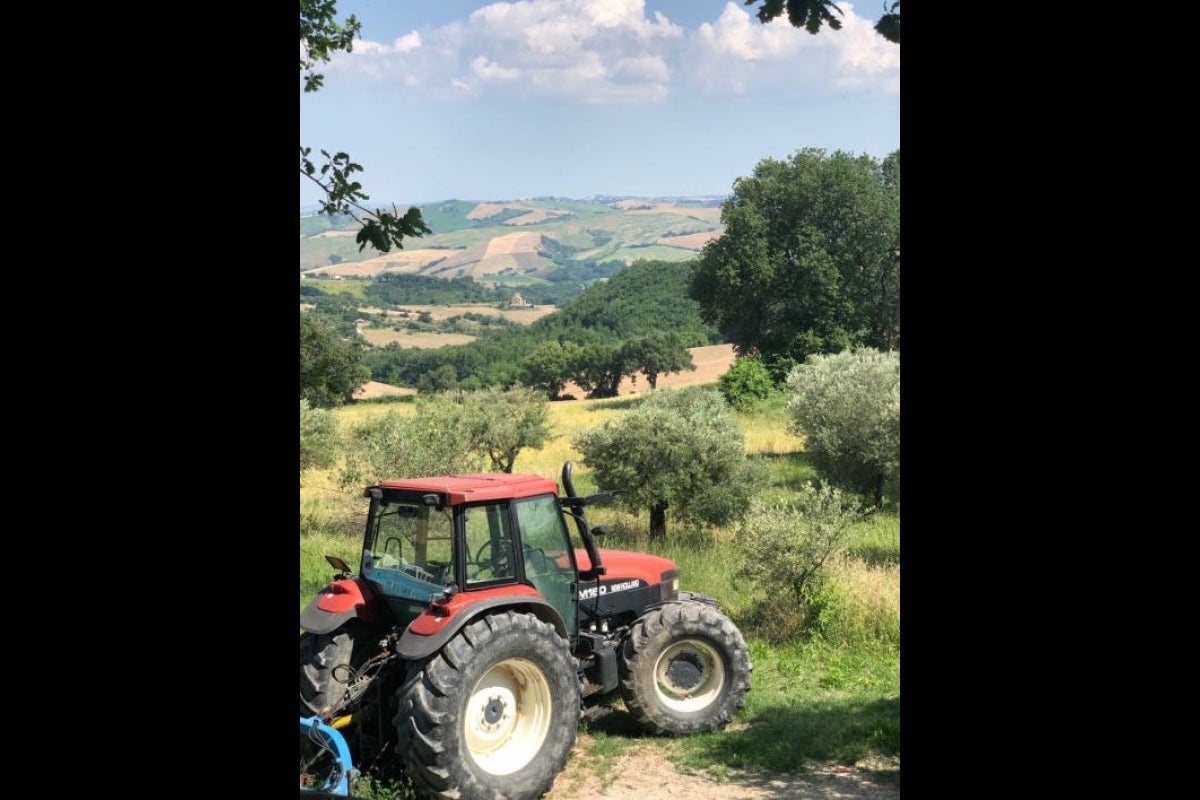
616 403
788 471
875 555
785 738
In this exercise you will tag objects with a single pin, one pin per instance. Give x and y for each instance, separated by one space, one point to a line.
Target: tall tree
812 14
809 262
598 367
657 354
547 366
679 449
321 36
331 368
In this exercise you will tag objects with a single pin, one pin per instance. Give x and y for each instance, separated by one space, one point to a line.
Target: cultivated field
691 241
400 261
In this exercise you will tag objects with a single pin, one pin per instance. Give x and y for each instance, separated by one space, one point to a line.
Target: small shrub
745 383
784 549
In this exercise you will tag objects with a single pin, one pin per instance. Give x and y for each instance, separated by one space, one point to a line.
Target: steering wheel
499 568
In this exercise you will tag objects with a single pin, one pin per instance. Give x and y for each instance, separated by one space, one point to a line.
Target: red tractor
480 619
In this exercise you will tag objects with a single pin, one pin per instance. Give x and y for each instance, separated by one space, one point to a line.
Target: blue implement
333 743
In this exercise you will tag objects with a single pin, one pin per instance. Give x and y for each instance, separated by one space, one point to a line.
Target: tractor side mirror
600 530
338 564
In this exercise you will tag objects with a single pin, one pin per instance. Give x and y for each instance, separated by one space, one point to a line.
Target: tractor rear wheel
684 668
493 714
327 664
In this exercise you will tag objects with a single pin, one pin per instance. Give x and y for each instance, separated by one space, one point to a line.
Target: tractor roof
476 488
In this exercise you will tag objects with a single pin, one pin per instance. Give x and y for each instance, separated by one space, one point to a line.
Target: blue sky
469 100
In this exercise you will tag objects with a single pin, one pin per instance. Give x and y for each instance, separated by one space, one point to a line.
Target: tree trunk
879 491
658 521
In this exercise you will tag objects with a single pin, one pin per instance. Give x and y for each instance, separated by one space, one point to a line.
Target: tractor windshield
408 550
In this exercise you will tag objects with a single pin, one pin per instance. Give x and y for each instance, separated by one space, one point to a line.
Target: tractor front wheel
493 714
684 669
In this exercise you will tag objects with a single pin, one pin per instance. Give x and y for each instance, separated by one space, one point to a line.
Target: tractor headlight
669 581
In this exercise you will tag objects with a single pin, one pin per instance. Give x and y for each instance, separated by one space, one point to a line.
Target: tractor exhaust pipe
568 484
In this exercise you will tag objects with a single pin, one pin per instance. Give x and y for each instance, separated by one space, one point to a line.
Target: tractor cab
432 538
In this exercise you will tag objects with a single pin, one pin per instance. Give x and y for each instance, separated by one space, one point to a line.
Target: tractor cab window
409 549
489 546
547 553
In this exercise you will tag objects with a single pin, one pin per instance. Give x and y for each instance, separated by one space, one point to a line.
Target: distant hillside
522 242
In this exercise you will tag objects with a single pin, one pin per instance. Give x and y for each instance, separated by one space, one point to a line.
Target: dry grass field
374 389
382 337
534 217
707 214
711 363
485 210
522 242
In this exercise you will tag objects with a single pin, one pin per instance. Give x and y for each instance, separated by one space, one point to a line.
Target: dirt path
645 774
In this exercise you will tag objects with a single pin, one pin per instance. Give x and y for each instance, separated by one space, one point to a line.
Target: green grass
355 289
809 704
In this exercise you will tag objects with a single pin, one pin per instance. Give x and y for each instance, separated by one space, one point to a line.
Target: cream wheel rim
688 676
508 716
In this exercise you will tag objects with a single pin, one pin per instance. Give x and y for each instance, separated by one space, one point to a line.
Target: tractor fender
416 643
338 602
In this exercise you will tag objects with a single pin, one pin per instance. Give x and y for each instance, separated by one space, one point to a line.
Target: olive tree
847 407
678 449
501 423
318 437
430 441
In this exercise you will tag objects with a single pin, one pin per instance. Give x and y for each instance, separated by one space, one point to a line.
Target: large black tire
493 715
327 661
684 668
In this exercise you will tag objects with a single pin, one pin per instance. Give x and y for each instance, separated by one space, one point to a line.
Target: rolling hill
519 242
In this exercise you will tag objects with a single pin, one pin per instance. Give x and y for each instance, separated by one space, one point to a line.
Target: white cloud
651 68
736 53
404 44
491 71
610 51
408 42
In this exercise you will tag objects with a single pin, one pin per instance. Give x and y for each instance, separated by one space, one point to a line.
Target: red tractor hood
626 565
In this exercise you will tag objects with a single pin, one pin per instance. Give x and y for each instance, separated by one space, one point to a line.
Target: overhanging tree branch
812 14
321 35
